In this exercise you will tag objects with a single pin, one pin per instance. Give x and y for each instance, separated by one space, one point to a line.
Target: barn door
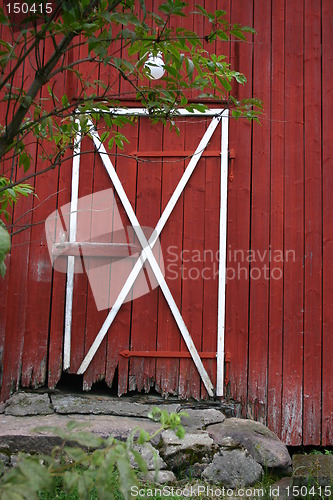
145 257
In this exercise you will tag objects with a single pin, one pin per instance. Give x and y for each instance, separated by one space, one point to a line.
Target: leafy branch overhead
75 40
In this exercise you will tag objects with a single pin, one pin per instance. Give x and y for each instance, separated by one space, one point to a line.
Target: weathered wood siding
279 314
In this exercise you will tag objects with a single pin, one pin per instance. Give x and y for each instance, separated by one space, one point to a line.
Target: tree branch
42 76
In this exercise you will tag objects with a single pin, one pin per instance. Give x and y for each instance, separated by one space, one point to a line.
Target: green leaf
70 479
189 67
127 477
86 439
64 100
97 458
24 160
75 453
37 476
143 436
104 136
3 269
140 461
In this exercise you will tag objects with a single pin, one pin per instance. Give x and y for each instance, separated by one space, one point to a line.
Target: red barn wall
279 314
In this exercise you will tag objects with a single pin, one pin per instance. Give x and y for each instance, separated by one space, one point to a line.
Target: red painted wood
119 334
292 401
144 309
81 303
59 279
56 332
193 242
4 283
313 225
274 395
211 255
168 334
291 196
239 223
98 271
17 275
327 136
35 353
260 258
212 219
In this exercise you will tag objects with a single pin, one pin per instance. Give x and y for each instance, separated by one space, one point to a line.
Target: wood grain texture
327 106
35 352
119 334
274 395
144 309
211 256
292 400
192 282
239 205
59 279
168 335
278 332
260 221
313 225
15 312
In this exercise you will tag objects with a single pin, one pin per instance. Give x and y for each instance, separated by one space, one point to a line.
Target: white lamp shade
155 65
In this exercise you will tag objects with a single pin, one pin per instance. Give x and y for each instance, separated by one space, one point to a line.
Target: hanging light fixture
155 65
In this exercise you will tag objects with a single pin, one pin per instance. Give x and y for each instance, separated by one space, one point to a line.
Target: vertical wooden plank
292 402
148 209
35 353
17 272
3 304
274 395
211 255
4 283
327 136
119 334
212 167
16 302
193 243
259 262
59 278
168 335
239 222
81 284
98 270
313 225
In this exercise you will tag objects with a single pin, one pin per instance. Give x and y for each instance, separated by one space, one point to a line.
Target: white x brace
147 253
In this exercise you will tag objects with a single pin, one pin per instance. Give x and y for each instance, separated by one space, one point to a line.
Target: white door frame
217 116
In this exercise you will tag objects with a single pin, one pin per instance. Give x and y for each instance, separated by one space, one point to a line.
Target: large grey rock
14 436
150 455
25 404
162 477
102 405
234 469
313 470
193 448
264 446
200 419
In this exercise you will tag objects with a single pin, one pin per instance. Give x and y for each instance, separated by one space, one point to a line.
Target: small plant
85 465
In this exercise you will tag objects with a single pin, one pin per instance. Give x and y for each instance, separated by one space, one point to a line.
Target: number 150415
27 8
